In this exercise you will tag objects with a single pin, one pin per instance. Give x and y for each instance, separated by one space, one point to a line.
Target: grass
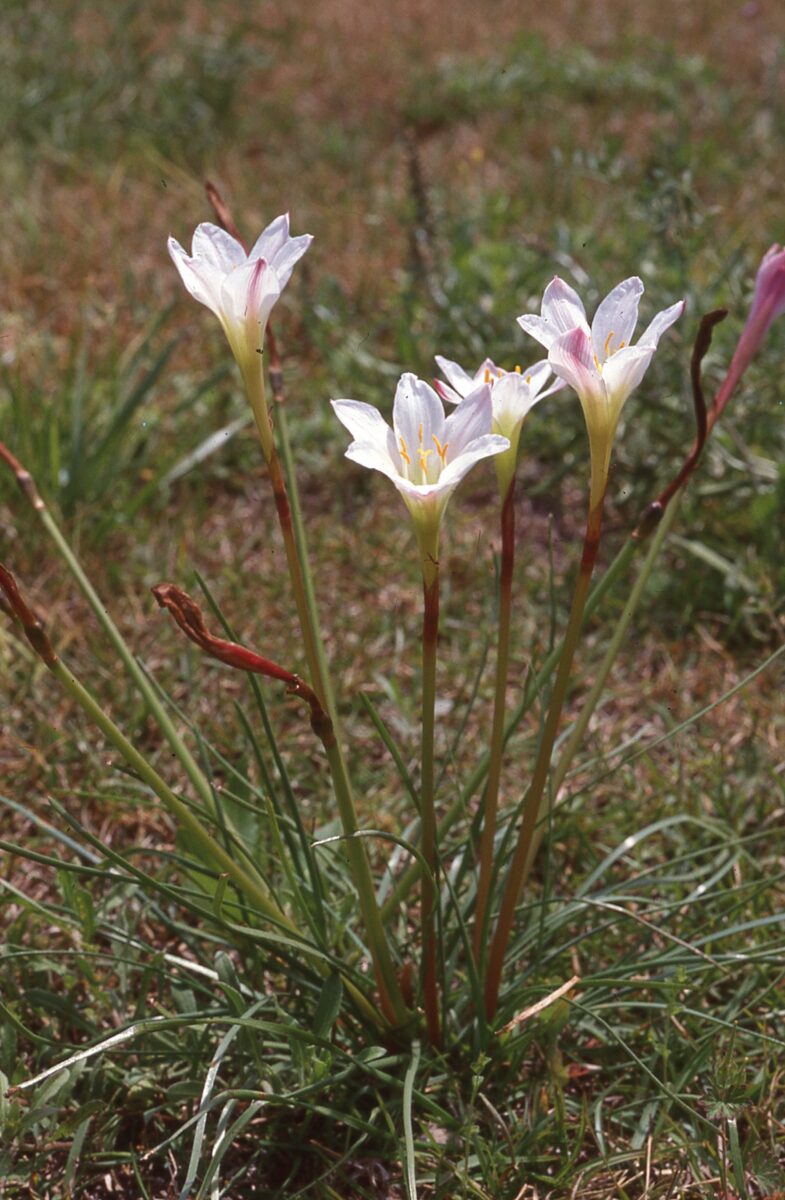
446 176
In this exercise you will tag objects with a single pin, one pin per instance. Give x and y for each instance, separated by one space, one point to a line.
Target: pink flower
768 303
599 360
513 393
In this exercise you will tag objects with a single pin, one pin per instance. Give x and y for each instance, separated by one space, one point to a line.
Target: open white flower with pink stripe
513 395
241 289
425 454
598 360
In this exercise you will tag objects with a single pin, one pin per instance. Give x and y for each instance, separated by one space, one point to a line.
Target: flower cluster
426 454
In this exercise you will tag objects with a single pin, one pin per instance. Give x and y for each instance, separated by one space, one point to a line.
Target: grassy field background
448 159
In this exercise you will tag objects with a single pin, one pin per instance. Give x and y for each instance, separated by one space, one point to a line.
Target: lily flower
513 395
768 303
598 360
241 289
425 454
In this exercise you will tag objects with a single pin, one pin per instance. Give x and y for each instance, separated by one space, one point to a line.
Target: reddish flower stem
491 803
531 805
429 881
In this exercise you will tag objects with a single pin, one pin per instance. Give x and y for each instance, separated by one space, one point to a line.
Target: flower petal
285 260
367 454
623 373
653 332
538 375
272 239
217 247
472 419
461 381
418 415
201 280
513 398
562 306
364 422
279 249
537 327
572 358
482 447
249 292
615 319
446 392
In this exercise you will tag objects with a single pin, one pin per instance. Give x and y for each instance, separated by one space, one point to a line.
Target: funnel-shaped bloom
513 395
425 454
241 289
768 303
598 361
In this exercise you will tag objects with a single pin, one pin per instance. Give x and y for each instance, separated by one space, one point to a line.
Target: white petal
482 447
418 415
286 258
249 292
624 371
364 422
472 419
217 247
545 333
369 455
512 400
652 334
446 392
572 359
487 372
202 281
537 376
615 320
272 239
562 307
462 382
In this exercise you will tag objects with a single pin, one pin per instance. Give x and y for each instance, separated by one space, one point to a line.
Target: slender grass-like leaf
408 1131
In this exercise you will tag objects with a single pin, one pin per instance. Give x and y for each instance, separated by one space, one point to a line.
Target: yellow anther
404 452
420 434
499 372
441 450
529 377
487 375
518 370
597 363
607 348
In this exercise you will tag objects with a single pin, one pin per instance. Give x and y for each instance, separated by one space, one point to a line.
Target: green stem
491 803
302 549
604 670
392 1001
534 685
213 853
309 636
255 390
531 807
428 883
190 766
290 521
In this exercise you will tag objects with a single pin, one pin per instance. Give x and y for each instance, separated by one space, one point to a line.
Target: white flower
240 288
425 454
513 395
598 361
